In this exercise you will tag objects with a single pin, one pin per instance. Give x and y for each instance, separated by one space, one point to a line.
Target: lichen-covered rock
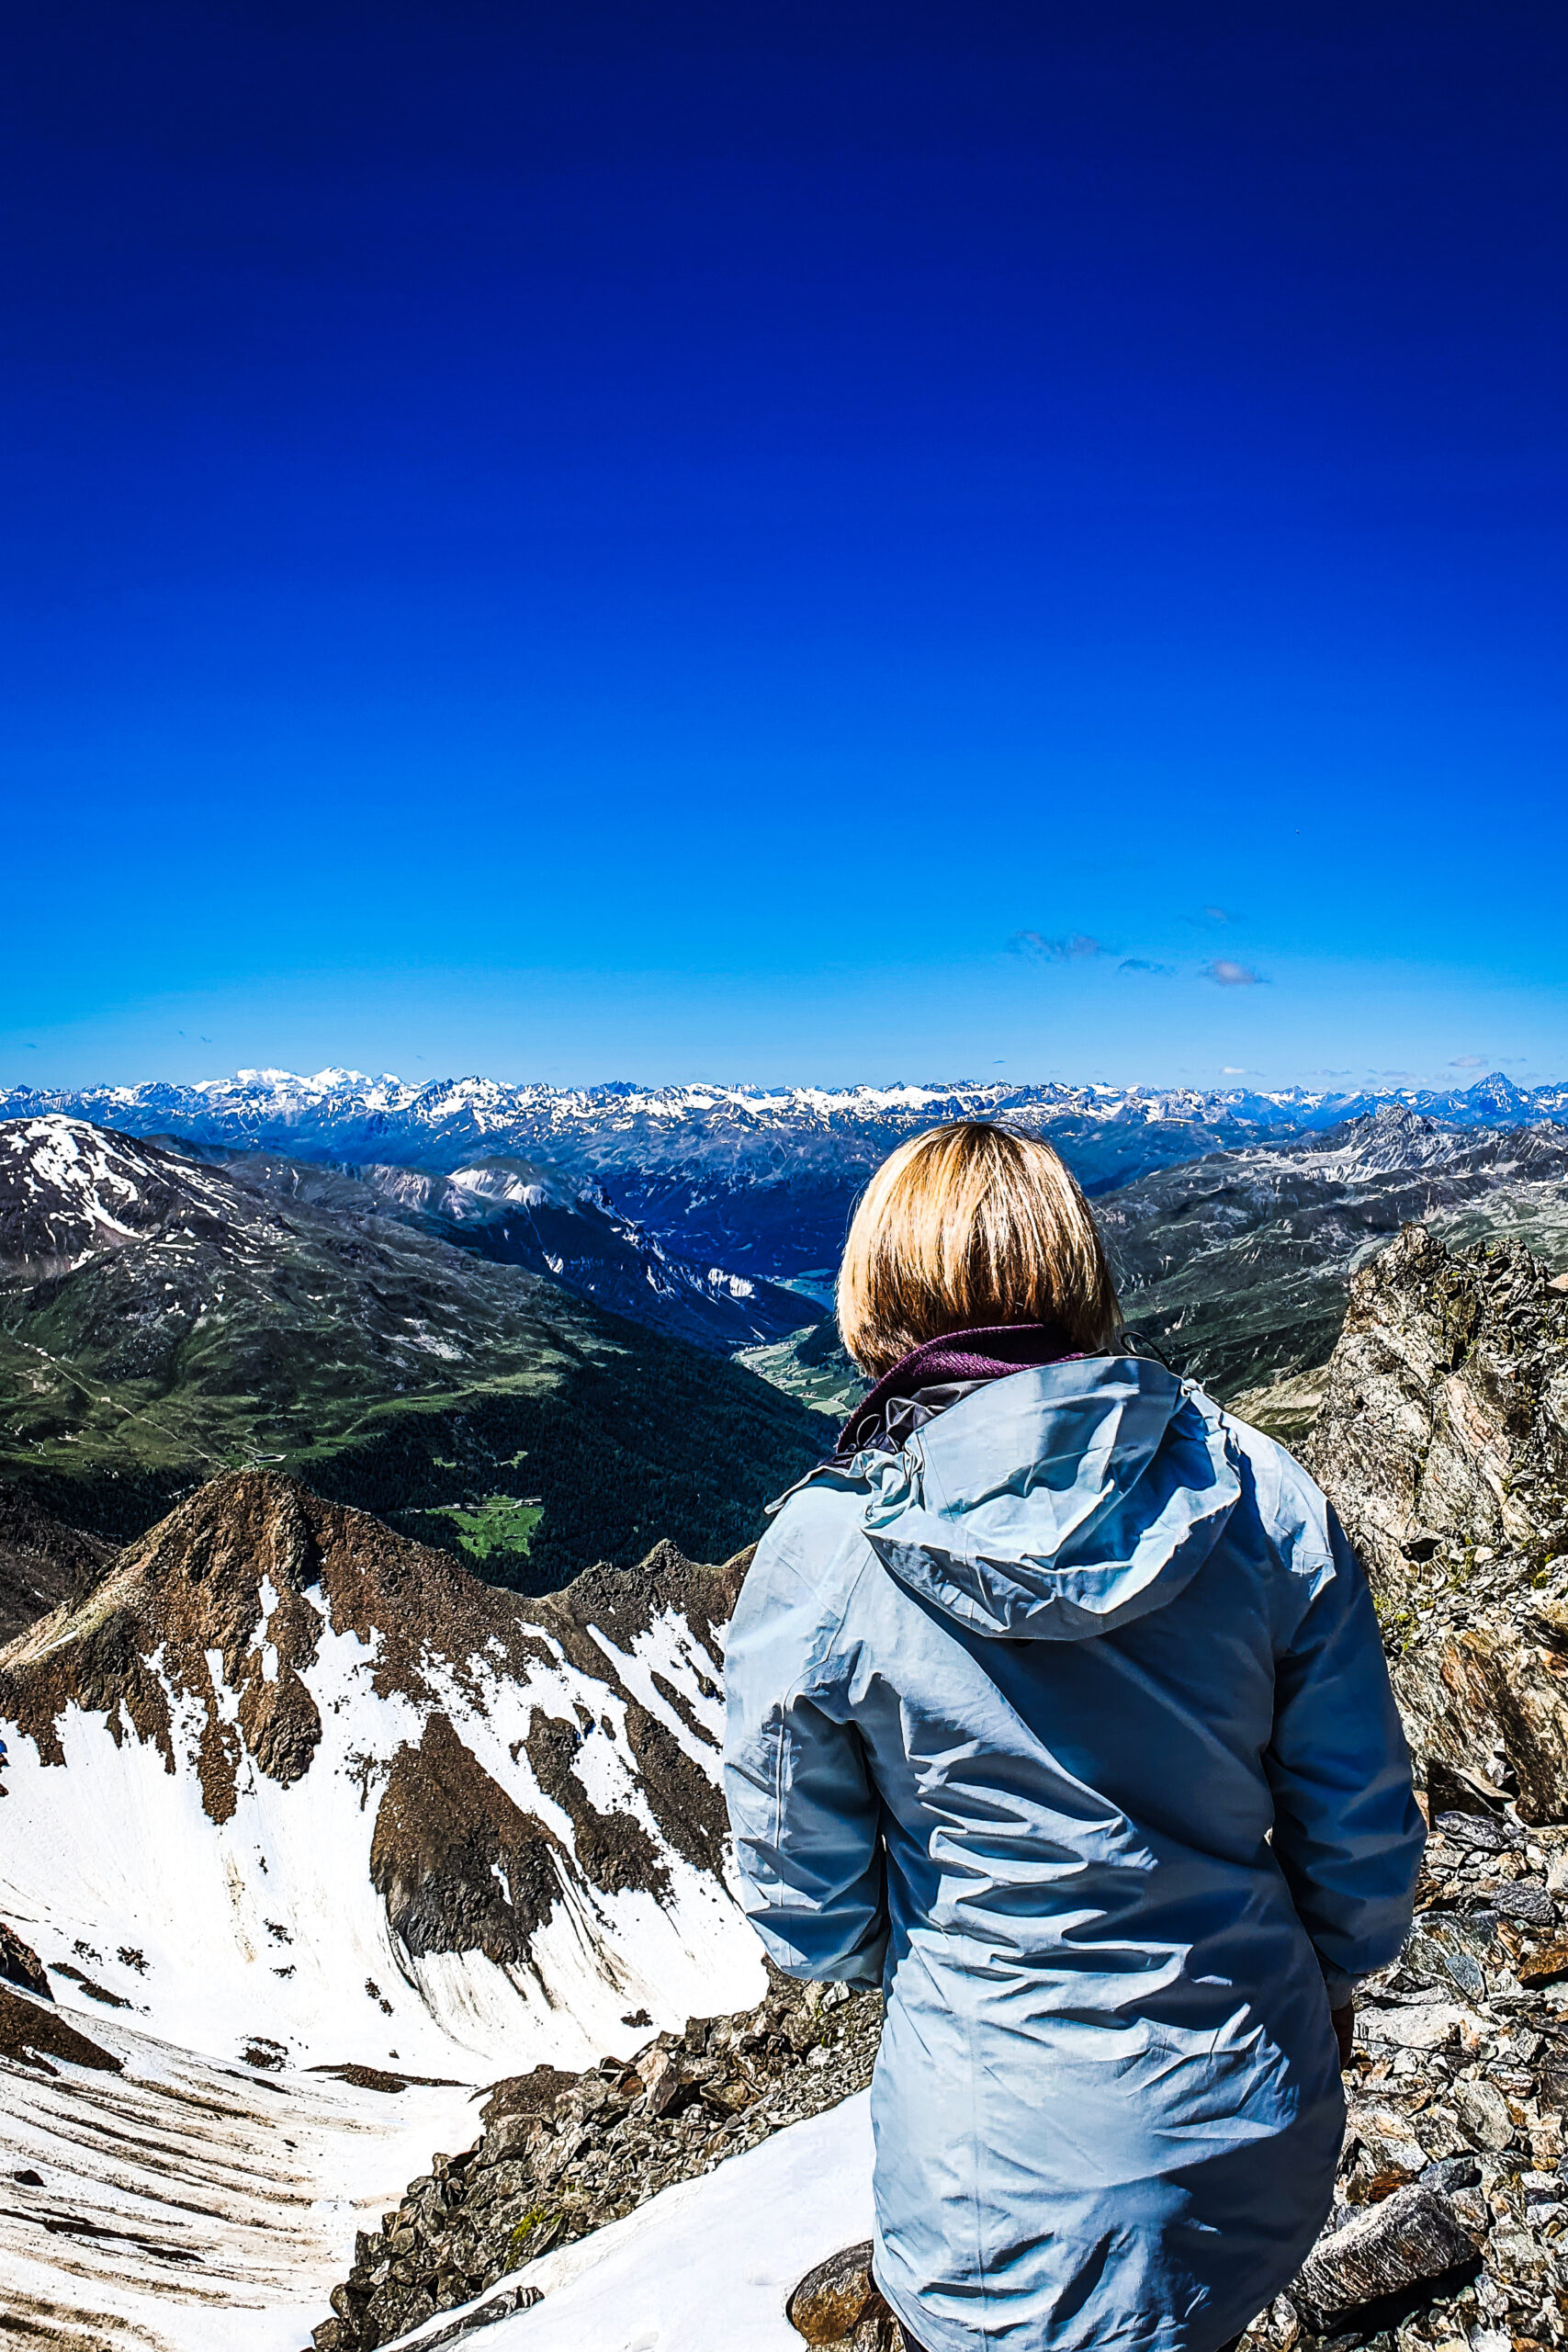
1443 1444
840 2305
832 2300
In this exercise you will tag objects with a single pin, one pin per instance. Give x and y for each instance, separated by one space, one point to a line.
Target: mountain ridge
759 1181
164 1318
382 1813
1239 1263
264 1095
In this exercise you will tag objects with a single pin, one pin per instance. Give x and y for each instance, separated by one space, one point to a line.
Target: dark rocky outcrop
20 1965
443 1833
32 2036
42 1562
1443 1444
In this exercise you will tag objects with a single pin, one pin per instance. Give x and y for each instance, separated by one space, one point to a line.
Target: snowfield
184 2206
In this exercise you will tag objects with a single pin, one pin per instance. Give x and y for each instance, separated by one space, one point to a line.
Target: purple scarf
989 1354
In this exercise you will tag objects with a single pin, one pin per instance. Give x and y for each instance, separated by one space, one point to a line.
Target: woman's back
1069 1713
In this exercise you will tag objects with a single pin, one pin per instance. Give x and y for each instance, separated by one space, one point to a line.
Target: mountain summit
376 1813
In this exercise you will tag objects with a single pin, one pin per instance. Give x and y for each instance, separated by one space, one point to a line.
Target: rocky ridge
1442 1441
1238 1265
1443 1444
381 1811
562 2155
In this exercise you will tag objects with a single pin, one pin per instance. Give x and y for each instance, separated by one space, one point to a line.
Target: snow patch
709 2264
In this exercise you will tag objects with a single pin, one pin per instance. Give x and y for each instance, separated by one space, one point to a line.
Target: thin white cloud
1077 947
1468 1061
1226 975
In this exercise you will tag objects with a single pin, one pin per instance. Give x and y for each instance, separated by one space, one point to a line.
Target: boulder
840 2303
1412 2237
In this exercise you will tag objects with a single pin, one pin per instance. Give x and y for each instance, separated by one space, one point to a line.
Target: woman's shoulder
816 1542
1290 1504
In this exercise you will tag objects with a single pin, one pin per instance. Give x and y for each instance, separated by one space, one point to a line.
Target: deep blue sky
596 541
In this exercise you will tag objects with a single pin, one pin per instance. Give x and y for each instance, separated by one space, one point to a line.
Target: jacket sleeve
805 1815
1347 1833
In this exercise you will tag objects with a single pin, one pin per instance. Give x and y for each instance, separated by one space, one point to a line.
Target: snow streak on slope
177 2205
289 1784
68 1189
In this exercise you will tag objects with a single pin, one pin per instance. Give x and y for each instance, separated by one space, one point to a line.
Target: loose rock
1413 2235
831 2301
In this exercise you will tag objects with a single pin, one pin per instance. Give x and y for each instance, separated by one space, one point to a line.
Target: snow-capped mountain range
345 1107
757 1182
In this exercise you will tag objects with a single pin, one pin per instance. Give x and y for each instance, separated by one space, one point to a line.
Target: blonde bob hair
968 1226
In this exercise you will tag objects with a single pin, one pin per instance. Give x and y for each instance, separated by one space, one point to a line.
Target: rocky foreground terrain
1451 2228
563 2153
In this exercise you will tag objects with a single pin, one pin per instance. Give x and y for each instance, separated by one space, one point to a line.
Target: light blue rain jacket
1069 1724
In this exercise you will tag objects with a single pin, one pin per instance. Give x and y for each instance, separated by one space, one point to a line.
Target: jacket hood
1056 1503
